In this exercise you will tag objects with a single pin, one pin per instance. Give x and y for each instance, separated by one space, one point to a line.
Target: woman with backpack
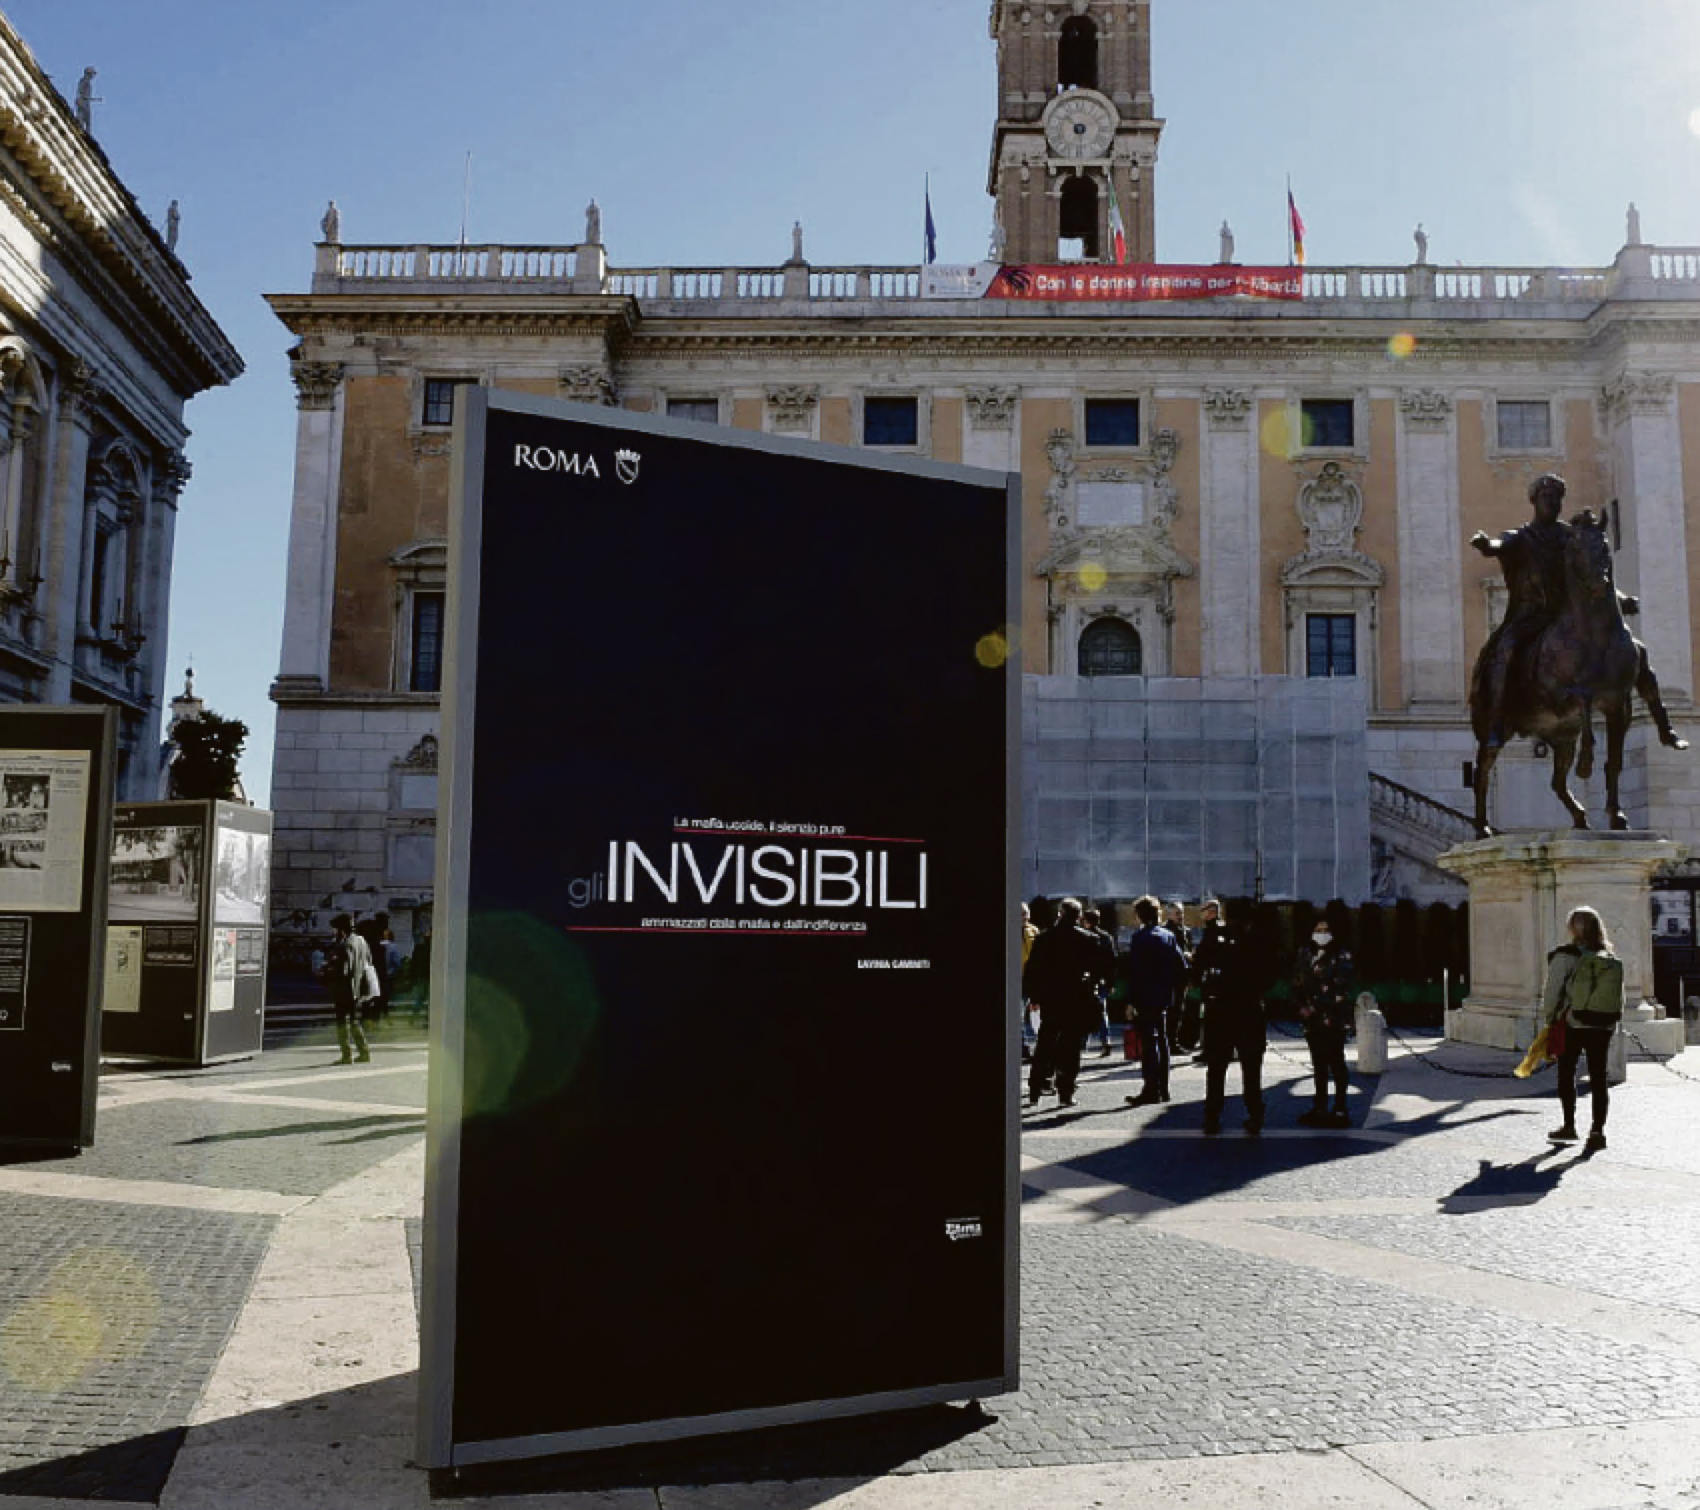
1585 993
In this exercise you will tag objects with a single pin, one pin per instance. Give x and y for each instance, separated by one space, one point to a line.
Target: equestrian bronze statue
1562 653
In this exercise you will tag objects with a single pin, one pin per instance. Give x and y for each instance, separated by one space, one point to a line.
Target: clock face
1080 127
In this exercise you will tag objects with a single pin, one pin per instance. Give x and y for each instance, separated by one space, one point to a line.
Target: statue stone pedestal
1522 888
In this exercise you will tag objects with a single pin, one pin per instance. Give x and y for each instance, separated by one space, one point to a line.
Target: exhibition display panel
56 773
187 932
723 1126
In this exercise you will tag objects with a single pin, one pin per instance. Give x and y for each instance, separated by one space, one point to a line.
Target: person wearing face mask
1323 990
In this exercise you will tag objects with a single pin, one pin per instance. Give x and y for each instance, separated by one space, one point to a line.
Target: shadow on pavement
834 1455
133 1471
1495 1186
414 1120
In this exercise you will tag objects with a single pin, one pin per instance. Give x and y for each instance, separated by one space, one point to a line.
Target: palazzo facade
1215 491
102 345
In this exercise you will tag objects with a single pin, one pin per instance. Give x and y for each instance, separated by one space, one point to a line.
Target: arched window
1080 217
1111 648
1077 56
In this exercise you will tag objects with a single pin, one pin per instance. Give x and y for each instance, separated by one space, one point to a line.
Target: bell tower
1075 115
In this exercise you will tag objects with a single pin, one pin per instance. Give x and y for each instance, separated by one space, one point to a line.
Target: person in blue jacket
1152 969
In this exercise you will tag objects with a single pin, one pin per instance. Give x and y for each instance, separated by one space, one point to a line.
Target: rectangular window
440 400
426 673
1328 423
705 411
891 422
97 581
1331 644
1525 426
1112 422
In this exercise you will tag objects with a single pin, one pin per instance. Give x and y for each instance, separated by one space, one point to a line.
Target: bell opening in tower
1077 54
1078 236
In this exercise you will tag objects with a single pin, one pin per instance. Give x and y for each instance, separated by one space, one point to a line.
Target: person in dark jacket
1323 990
1229 980
1153 968
1061 980
1093 922
1174 921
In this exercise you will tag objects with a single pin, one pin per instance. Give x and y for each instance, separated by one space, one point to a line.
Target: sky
1517 131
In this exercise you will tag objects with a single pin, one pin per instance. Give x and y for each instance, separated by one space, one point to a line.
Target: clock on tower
1075 114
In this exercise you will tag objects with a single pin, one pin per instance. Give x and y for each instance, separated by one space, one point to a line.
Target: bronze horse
1587 659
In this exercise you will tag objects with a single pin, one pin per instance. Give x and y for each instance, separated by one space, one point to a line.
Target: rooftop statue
1562 653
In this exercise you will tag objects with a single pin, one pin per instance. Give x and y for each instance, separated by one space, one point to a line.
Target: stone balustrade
1488 292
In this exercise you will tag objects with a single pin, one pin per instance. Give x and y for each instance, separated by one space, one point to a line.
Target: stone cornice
401 315
101 217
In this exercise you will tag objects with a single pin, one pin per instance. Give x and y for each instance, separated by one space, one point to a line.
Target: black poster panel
155 974
56 772
723 1102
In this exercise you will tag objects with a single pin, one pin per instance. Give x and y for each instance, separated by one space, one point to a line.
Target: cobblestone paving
1624 1254
231 1146
111 1320
1140 1344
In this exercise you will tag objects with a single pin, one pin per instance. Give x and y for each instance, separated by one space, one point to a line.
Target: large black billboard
56 772
724 1074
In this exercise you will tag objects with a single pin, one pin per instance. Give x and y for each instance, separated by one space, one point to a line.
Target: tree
209 757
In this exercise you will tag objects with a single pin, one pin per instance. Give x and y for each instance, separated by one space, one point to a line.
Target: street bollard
1372 1037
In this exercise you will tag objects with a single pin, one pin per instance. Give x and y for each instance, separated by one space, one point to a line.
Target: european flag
932 231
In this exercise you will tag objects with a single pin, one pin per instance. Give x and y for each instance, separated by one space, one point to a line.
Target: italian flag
1118 226
1298 229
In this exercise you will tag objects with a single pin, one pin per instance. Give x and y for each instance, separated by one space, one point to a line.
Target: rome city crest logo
626 464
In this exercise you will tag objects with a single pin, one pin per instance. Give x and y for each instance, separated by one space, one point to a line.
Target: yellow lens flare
992 652
99 1306
1093 577
1402 346
1278 433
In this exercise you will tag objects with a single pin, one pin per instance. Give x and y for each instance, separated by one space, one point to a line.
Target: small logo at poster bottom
626 464
964 1231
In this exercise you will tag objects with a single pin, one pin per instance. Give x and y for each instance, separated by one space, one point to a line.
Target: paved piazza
216 1306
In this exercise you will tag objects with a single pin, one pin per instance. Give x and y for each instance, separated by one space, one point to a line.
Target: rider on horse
1534 565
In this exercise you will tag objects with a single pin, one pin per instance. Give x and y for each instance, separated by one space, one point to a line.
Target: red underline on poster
724 833
728 933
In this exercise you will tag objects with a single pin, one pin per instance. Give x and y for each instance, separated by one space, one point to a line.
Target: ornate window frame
1357 397
422 566
1333 576
665 397
1555 447
923 417
1144 396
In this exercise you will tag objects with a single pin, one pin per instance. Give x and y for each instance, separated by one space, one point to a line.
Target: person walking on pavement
1152 968
376 931
1174 920
1229 979
1323 989
346 965
1061 979
1585 990
1028 933
1195 1020
1092 921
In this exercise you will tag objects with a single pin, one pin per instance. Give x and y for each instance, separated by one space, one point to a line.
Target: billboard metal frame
437 1445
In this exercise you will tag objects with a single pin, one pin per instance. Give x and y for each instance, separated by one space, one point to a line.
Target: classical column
311 594
153 606
1431 563
1646 447
68 517
990 438
1230 536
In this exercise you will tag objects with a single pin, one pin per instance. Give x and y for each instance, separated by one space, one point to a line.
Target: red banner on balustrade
1116 284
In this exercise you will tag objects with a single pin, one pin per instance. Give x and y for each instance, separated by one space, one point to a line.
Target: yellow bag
1536 1057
